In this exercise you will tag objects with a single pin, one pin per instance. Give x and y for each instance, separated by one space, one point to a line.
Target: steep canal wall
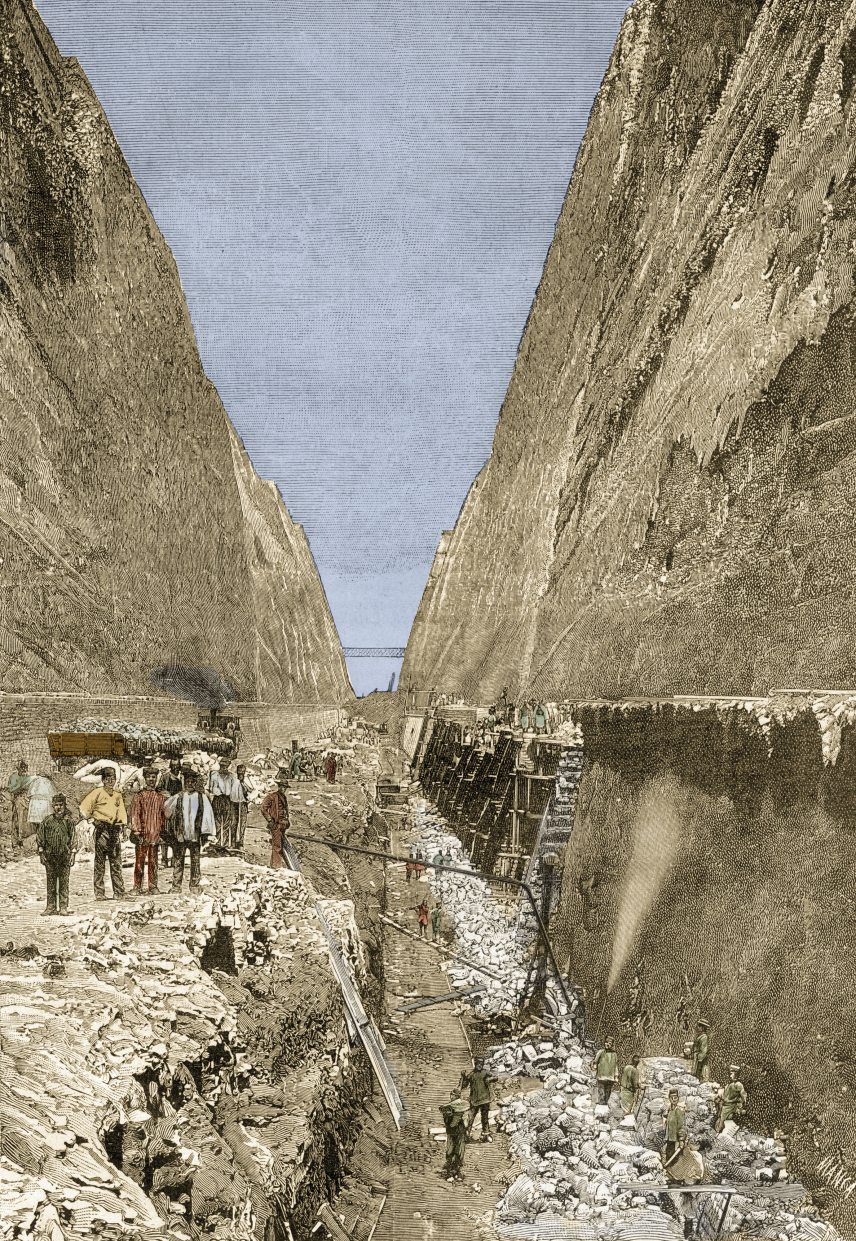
709 874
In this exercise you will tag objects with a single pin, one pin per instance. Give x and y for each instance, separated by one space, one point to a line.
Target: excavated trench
704 876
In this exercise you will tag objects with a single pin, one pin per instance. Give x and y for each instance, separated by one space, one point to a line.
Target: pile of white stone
146 739
129 997
485 931
578 1154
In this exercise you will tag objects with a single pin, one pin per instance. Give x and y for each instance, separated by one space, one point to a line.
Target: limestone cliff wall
668 506
707 877
133 530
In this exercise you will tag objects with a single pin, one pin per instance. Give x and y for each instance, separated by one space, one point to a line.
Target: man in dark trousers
106 807
19 787
243 804
171 783
676 1129
606 1070
701 1051
478 1080
193 818
55 839
274 810
454 1115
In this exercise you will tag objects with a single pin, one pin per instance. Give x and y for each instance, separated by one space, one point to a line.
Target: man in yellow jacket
105 806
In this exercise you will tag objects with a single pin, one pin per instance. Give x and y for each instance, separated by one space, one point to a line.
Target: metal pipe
446 952
456 870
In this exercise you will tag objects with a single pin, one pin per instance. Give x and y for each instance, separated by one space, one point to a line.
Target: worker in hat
55 840
606 1070
701 1051
676 1129
193 817
732 1099
105 806
19 788
630 1085
274 809
478 1082
454 1115
148 819
170 783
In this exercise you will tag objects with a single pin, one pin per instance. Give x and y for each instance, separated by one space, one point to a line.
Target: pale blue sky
359 195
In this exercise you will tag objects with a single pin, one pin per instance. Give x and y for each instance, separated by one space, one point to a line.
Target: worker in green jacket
732 1100
630 1085
606 1070
676 1129
437 921
454 1115
701 1051
19 787
478 1081
55 840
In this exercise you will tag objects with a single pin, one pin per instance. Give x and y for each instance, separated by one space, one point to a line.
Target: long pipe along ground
455 870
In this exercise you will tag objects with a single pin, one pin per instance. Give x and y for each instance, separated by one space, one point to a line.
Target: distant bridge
374 652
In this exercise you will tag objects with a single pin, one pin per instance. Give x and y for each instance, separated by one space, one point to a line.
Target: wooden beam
332 1224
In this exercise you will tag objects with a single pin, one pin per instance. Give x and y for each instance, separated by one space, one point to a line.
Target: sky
359 195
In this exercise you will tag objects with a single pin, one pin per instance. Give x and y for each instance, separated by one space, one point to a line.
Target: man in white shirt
224 789
195 824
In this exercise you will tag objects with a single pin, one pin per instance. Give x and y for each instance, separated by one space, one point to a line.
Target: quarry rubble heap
577 1154
97 1039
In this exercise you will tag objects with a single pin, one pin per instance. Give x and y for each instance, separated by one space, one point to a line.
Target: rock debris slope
133 530
668 506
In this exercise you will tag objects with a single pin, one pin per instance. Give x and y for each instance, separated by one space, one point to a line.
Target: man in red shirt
275 811
148 817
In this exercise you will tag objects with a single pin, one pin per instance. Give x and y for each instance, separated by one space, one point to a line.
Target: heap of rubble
578 1155
162 1075
485 932
587 1165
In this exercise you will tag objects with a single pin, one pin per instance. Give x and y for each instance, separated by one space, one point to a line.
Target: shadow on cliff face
203 686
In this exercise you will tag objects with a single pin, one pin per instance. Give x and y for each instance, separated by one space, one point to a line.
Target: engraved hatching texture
668 504
133 531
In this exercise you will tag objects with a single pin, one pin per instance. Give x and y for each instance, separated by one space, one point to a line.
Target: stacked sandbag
148 740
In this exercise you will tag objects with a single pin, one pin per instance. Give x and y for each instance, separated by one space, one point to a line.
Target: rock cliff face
134 532
669 502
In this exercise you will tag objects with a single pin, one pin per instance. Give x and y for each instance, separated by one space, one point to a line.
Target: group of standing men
302 765
731 1100
183 820
174 814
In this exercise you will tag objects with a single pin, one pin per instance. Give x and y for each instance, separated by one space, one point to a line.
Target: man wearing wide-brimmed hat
274 808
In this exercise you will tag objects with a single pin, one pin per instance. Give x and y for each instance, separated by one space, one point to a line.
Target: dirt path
428 1050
